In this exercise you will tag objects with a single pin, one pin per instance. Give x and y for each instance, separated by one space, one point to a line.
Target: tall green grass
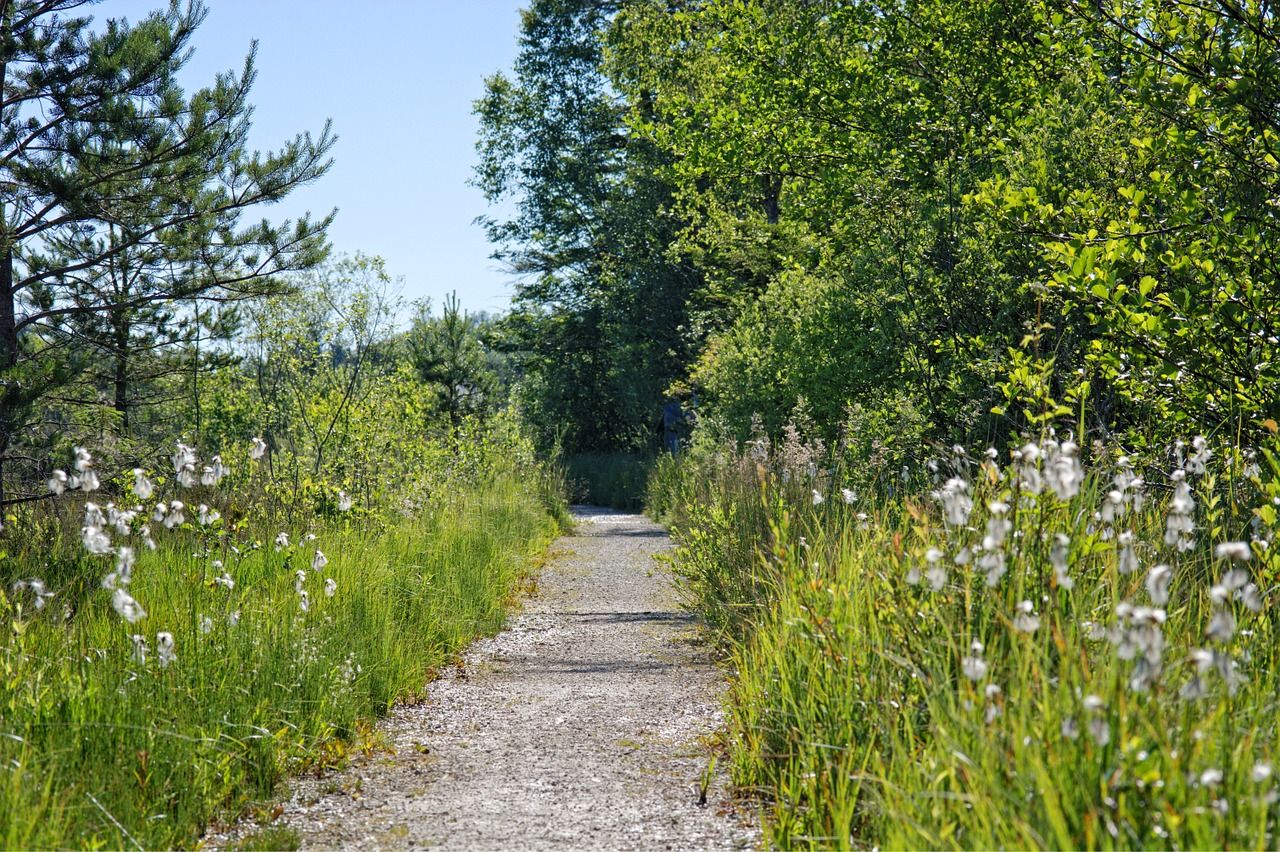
877 704
101 748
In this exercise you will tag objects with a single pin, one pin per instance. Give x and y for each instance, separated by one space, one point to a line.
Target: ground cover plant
175 643
1016 649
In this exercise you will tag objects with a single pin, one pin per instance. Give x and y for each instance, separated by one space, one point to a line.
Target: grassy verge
1009 656
105 741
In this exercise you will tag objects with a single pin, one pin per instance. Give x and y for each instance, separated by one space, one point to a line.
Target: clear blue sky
398 78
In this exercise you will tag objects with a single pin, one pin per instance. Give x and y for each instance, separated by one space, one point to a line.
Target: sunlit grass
104 741
1115 686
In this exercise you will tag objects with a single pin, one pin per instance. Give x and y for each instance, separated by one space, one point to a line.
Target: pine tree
103 156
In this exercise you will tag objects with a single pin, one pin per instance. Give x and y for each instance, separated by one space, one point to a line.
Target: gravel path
586 724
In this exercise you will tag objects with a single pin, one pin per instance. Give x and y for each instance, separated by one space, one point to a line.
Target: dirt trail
582 726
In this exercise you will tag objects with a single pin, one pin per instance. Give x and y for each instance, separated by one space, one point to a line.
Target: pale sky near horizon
398 78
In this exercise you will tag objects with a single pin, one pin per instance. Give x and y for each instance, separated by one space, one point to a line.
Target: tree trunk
10 389
121 378
771 190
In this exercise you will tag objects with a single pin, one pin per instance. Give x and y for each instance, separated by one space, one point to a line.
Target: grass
877 704
100 748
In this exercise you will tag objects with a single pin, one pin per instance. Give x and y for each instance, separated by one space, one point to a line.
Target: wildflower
1100 730
1235 579
122 521
225 581
1251 598
164 648
1211 778
913 576
850 497
1194 689
159 513
175 516
299 579
1058 559
282 541
330 587
1063 471
212 473
304 601
993 562
208 516
937 576
257 449
96 541
1158 584
1261 772
1202 454
89 481
58 482
964 556
206 624
140 648
1026 621
128 608
955 501
1126 559
1070 728
1093 703
312 537
84 461
319 561
1222 626
184 458
973 666
233 618
124 565
344 500
142 487
932 555
1237 551
1113 507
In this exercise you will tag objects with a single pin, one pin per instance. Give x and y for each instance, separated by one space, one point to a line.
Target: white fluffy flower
175 516
139 648
128 608
319 561
1237 551
164 648
143 488
344 502
257 449
58 482
330 587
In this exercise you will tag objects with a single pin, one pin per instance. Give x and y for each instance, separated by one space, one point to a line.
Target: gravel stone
586 724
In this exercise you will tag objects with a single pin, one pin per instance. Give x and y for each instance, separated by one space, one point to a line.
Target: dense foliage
883 207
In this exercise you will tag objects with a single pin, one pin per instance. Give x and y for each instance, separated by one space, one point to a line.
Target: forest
968 312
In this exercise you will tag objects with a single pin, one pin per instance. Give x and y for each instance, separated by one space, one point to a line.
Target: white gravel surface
585 725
